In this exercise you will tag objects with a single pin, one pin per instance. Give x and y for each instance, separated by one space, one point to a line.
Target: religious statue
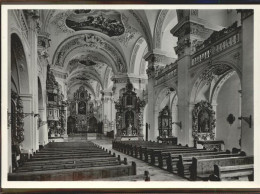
204 121
129 130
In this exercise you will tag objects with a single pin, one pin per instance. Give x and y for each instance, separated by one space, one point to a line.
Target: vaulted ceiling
92 45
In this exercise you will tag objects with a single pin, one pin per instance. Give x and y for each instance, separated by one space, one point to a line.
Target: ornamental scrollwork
17 120
217 70
90 41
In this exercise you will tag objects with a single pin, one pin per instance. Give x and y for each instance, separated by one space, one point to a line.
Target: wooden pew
70 164
201 169
140 177
231 172
173 159
184 163
75 174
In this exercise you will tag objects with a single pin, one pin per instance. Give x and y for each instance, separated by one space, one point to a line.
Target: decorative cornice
120 79
158 58
59 74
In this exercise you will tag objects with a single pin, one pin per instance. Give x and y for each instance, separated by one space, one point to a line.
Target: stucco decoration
128 34
158 28
214 71
17 119
203 121
135 50
90 41
144 28
59 22
84 61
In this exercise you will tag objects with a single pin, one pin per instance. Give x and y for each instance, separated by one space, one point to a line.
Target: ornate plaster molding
158 28
144 28
128 34
91 41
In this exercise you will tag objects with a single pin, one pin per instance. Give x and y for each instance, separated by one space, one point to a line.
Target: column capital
43 44
33 15
156 60
191 31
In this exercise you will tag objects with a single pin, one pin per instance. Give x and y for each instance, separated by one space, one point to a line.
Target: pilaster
247 109
191 31
33 23
156 61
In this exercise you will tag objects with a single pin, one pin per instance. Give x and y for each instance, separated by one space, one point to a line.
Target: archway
20 126
220 86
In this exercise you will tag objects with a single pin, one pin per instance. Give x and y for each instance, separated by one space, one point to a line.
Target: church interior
130 95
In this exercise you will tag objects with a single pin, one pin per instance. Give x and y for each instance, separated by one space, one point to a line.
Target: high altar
82 117
129 115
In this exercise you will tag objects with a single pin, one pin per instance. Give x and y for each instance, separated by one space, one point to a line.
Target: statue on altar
129 129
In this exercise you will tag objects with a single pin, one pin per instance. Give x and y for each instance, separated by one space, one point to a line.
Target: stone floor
156 174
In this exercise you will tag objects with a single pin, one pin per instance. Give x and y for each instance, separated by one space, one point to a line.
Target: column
65 135
33 23
43 130
156 60
27 144
188 33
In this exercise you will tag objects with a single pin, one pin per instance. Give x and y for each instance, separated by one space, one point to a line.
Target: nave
94 160
169 90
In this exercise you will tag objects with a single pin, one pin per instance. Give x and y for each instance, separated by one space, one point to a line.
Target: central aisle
156 173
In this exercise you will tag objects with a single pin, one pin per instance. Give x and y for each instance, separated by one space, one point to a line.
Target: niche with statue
129 115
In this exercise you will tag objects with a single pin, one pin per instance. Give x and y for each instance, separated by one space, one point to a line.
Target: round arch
19 65
166 19
203 73
137 55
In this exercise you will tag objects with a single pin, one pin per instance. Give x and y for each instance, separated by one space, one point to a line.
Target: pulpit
129 115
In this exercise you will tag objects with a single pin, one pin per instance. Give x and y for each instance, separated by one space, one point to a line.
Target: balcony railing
217 43
166 73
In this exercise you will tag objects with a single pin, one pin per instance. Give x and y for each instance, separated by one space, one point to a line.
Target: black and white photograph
136 95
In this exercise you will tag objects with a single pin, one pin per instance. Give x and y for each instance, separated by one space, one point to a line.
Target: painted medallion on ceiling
106 21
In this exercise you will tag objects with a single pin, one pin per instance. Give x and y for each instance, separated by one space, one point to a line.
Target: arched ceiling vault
90 41
85 43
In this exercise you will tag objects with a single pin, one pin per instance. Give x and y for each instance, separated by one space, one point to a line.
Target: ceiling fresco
106 21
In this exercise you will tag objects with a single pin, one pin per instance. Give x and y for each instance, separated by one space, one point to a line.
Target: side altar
129 115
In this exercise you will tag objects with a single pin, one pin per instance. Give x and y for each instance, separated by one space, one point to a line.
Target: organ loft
93 92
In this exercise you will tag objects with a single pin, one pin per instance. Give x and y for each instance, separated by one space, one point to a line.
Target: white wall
228 102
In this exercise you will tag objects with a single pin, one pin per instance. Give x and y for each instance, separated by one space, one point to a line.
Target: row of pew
189 162
75 161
